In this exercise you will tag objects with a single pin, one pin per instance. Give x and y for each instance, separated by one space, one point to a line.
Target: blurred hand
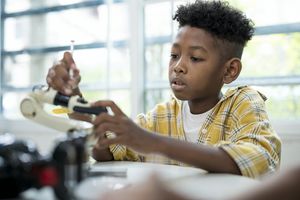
126 131
152 189
59 78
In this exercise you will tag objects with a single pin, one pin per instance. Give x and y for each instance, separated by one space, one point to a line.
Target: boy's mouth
177 84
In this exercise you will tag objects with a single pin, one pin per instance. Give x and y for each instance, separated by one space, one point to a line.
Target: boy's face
195 67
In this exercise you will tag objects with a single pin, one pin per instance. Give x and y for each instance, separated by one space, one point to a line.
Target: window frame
139 85
49 49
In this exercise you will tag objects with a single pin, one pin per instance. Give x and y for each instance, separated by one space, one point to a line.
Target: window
36 33
271 60
118 43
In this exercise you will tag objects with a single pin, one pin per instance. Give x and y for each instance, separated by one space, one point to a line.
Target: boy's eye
173 56
195 59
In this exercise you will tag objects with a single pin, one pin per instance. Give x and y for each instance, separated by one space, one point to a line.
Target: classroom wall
45 138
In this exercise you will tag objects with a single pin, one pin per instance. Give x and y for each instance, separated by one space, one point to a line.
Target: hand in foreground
126 131
152 189
59 78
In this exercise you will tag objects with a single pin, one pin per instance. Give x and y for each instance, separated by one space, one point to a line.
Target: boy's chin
180 97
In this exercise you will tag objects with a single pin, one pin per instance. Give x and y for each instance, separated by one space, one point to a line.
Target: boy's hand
126 131
59 78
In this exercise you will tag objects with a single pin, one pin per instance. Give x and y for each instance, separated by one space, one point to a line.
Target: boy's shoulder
244 92
240 101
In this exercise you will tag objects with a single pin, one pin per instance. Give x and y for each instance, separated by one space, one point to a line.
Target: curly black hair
217 18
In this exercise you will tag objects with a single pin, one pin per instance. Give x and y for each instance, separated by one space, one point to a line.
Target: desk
189 181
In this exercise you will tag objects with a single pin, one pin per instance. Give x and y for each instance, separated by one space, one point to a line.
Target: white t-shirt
192 123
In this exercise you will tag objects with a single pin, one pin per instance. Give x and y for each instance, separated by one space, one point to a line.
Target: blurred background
122 49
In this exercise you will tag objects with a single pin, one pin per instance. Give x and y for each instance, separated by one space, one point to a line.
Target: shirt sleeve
252 144
121 152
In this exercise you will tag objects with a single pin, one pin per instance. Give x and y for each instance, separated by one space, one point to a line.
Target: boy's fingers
58 70
59 85
99 136
51 73
57 80
102 118
116 110
104 127
68 59
76 73
75 80
61 70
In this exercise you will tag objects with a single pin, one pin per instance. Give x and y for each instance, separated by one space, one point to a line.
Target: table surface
191 182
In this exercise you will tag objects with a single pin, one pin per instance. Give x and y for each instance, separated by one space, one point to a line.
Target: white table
189 181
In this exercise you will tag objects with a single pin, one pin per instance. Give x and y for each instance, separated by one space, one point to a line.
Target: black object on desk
22 167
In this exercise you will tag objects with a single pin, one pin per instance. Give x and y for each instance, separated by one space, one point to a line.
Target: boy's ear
232 70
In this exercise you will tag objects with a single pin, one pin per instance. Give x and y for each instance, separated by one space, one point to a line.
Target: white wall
289 133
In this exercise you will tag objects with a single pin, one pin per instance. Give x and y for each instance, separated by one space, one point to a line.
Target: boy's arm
210 158
128 133
251 148
251 142
252 151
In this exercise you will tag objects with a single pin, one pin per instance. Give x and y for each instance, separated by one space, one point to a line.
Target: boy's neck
203 105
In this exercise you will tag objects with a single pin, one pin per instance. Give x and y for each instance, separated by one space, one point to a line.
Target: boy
201 127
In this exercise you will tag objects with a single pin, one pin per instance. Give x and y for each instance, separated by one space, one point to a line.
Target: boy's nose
180 67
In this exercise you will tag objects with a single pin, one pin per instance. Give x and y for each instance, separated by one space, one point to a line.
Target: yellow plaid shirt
238 124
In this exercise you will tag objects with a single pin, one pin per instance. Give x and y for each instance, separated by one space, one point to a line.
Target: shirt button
204 131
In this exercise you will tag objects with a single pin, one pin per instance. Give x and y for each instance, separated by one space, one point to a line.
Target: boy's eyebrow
176 45
198 48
